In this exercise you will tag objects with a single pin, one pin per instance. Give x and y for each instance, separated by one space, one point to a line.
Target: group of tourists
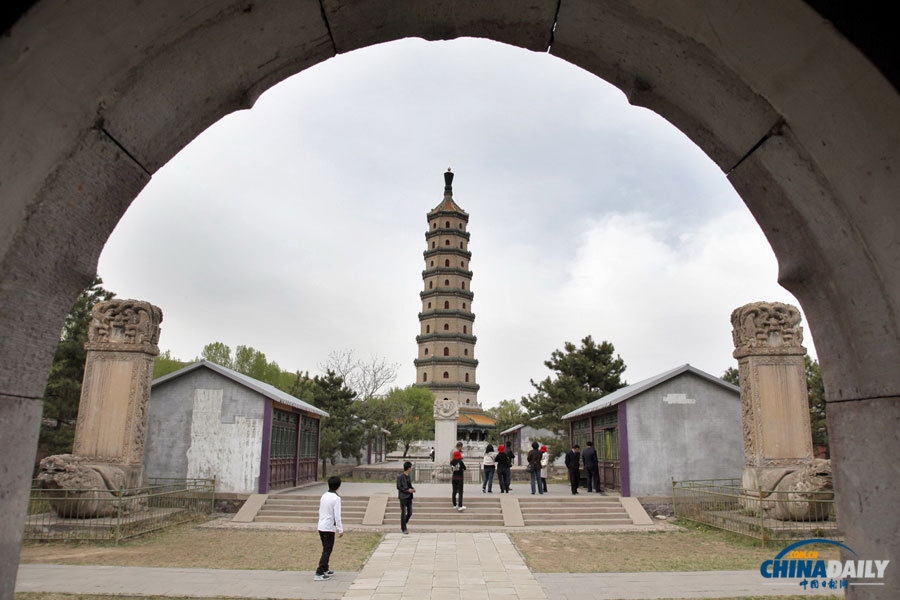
500 462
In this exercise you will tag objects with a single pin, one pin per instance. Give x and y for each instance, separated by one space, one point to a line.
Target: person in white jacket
545 464
488 467
329 524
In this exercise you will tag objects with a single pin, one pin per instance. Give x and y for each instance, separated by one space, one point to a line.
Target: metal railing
767 515
93 514
435 473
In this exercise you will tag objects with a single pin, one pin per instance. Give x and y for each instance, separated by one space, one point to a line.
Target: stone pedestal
777 435
446 413
112 412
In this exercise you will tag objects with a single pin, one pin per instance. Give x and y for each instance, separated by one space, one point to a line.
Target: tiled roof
269 391
625 393
475 417
447 204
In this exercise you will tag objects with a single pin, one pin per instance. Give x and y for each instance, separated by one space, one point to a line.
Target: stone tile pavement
151 581
446 566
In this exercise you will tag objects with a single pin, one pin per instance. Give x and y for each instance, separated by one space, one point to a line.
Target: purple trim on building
519 446
264 455
624 481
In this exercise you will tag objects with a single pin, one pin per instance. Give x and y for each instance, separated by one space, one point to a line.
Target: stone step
564 510
450 514
308 514
571 499
287 519
312 505
570 521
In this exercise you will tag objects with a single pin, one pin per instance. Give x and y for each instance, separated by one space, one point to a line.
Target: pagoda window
462 264
430 284
465 352
447 282
446 375
429 305
464 306
463 284
446 242
446 351
431 264
424 377
460 245
448 225
446 327
467 399
447 304
432 245
434 225
460 225
428 329
465 329
426 351
447 263
467 381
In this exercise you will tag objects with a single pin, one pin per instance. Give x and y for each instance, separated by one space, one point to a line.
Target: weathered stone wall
685 428
203 425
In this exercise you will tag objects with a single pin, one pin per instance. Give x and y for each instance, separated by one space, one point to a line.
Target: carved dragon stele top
127 325
767 328
445 409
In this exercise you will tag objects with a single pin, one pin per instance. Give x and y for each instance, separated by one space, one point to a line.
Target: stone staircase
480 512
290 508
589 509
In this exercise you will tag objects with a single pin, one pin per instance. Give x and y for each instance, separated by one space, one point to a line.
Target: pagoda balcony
435 385
436 232
447 250
443 312
445 360
448 337
448 213
447 292
446 271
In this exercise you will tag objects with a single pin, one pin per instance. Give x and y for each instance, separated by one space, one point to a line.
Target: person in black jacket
534 468
572 458
405 492
458 469
503 471
591 467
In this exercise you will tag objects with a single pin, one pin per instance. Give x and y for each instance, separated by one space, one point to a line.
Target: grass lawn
190 546
692 549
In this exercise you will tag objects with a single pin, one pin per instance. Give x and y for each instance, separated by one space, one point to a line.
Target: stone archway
97 98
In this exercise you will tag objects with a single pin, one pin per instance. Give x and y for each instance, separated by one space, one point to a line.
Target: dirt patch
191 546
551 552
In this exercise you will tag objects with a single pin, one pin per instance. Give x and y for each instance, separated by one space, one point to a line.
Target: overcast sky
297 227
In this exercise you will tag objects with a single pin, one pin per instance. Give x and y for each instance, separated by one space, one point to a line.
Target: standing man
534 468
329 523
431 454
572 458
405 492
458 469
589 456
459 446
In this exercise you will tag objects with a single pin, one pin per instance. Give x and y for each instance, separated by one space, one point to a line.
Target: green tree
219 353
165 363
508 413
583 374
413 409
732 376
342 431
816 390
63 391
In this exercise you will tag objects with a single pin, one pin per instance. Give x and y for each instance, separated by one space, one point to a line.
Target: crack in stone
555 23
775 130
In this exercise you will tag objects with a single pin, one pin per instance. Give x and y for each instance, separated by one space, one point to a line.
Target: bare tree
365 378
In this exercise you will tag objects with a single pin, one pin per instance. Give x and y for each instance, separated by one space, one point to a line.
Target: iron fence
113 515
435 473
767 515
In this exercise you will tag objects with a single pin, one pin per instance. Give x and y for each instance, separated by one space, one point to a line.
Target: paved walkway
419 566
446 566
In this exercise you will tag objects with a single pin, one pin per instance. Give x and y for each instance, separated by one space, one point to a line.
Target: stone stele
446 413
112 413
778 451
